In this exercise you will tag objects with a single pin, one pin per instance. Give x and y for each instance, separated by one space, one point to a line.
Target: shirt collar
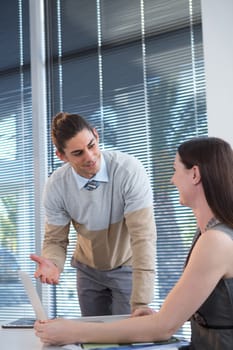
101 176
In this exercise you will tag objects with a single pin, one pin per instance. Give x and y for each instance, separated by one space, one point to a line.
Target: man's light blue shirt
101 176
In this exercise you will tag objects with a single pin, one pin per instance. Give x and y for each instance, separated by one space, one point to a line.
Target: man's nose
89 154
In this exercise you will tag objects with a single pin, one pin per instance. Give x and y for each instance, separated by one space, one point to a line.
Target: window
17 192
135 70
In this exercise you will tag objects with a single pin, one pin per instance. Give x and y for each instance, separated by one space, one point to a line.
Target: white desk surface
21 339
25 339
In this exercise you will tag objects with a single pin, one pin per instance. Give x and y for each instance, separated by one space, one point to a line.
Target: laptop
35 301
39 310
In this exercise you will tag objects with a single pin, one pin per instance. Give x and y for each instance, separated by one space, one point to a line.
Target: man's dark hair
65 126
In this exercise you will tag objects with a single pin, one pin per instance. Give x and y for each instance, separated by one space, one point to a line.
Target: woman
203 175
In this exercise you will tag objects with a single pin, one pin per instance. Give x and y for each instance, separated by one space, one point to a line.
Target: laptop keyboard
20 323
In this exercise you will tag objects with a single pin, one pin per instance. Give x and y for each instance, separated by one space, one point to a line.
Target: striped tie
92 185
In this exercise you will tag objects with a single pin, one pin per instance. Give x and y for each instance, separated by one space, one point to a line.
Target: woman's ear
196 175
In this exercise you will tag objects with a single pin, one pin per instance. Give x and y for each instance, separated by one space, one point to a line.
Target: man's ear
196 175
95 133
61 156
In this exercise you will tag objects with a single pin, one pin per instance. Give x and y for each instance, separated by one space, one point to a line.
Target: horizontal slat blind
17 192
135 70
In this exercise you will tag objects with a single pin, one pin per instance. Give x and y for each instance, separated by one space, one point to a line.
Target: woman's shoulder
215 242
223 228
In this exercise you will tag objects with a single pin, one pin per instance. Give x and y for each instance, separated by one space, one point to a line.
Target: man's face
83 153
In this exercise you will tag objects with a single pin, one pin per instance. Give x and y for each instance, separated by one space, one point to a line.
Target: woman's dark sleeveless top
212 324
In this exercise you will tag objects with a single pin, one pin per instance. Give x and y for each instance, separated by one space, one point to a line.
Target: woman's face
183 180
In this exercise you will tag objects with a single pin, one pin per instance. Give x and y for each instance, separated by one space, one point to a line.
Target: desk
20 339
25 339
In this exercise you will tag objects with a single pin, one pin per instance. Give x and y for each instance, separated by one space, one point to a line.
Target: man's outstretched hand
46 270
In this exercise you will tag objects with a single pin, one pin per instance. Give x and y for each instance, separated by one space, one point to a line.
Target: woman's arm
211 259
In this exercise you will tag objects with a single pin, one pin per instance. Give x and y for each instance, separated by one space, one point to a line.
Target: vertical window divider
39 113
100 66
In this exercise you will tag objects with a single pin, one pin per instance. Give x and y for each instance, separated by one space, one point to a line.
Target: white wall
217 18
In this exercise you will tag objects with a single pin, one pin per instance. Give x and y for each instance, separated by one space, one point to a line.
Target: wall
217 17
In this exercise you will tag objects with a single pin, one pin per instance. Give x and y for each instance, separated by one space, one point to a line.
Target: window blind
17 192
135 70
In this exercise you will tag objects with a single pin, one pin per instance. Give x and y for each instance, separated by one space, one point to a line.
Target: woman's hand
58 331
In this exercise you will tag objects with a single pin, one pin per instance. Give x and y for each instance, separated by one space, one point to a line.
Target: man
113 217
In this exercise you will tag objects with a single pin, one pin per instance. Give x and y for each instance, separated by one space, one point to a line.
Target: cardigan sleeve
142 231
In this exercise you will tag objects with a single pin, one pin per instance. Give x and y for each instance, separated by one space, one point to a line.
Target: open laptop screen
35 301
